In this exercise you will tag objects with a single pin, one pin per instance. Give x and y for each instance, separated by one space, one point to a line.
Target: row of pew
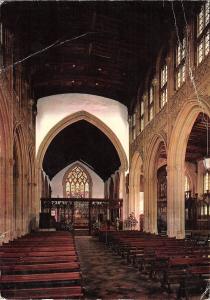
41 265
180 266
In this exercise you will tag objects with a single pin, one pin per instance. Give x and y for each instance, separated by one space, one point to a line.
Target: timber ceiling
197 142
103 48
108 45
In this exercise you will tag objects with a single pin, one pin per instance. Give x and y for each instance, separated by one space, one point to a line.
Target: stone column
146 205
150 203
9 204
200 174
123 194
175 201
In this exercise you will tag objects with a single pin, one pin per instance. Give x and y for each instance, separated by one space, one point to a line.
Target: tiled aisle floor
107 276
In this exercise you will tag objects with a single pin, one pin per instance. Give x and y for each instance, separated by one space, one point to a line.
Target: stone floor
107 276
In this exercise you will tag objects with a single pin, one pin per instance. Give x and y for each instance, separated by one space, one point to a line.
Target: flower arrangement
131 222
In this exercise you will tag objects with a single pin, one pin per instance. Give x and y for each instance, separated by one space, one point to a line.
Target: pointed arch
176 163
6 165
136 172
20 205
150 188
75 117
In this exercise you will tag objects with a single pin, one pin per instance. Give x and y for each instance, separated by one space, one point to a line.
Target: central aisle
107 276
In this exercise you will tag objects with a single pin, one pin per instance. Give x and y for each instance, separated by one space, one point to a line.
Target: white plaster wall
52 109
57 182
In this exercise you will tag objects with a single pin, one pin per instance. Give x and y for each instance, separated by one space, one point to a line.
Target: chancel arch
72 119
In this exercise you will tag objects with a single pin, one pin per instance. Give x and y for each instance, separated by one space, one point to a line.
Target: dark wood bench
13 269
182 271
41 259
36 254
36 248
73 292
68 276
40 265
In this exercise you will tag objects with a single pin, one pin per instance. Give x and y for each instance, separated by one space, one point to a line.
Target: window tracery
180 65
142 113
77 183
151 102
163 85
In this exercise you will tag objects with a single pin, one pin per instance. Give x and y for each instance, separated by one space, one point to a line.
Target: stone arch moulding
77 164
176 164
21 221
6 161
134 183
150 187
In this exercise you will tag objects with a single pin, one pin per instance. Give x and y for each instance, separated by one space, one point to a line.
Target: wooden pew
14 269
40 265
183 271
36 254
41 259
33 278
73 292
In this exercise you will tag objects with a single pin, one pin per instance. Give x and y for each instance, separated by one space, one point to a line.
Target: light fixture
206 160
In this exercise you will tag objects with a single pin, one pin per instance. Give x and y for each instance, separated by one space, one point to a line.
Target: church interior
104 150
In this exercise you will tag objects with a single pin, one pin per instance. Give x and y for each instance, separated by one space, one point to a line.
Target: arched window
206 182
180 63
203 32
163 84
142 113
77 183
151 102
186 184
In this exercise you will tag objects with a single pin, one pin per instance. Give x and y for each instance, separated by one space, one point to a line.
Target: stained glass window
77 183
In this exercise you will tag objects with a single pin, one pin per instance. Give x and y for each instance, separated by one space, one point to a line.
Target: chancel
104 149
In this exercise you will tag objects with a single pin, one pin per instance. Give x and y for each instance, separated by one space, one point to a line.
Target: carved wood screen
74 213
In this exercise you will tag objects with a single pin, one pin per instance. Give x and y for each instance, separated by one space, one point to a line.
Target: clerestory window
180 64
203 32
163 85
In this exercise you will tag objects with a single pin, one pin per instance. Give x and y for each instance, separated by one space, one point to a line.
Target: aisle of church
107 276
